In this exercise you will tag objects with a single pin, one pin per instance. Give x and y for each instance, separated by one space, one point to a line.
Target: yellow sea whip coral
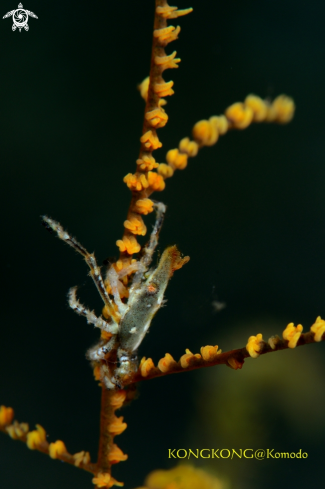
237 116
153 89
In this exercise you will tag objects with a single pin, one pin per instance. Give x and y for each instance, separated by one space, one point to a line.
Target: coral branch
36 440
211 356
110 426
144 182
238 116
109 453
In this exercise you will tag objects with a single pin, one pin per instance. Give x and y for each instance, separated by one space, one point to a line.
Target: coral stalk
110 426
36 440
145 181
106 438
233 358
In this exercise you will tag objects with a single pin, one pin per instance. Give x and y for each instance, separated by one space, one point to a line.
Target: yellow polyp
150 141
206 132
165 11
124 264
155 181
222 124
239 115
105 480
165 171
6 415
163 89
214 134
36 438
116 427
292 334
284 108
106 313
167 34
81 458
21 429
143 88
157 118
136 182
162 102
179 13
172 35
166 363
144 206
128 244
119 265
191 148
167 62
318 328
254 345
209 352
172 12
146 367
105 335
117 399
116 455
184 360
258 106
163 32
176 159
172 155
189 358
136 225
96 370
147 162
201 131
57 449
17 430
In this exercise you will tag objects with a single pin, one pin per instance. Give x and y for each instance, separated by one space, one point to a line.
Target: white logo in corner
20 18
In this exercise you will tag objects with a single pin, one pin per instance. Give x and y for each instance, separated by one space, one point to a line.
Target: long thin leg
89 315
101 350
150 247
89 259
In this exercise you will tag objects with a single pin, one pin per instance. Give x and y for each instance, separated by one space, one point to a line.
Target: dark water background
250 212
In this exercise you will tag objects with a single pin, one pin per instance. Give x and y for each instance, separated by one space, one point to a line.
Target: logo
20 18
